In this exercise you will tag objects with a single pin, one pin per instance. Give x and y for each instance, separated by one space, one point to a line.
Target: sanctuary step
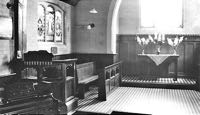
157 82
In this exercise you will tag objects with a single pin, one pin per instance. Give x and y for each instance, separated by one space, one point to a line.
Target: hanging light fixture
93 11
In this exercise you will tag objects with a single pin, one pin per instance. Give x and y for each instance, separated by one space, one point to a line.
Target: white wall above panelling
129 18
94 40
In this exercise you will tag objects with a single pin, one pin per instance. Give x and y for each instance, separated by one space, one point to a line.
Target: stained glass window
58 26
41 23
50 22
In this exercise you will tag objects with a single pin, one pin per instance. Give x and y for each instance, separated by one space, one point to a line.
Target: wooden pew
109 80
42 75
86 73
57 76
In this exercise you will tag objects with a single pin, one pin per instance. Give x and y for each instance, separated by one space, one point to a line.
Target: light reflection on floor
145 100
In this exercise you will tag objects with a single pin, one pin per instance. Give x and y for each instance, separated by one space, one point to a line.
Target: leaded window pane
41 23
50 23
58 26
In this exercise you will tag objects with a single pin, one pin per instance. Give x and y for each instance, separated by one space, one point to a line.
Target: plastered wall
129 18
30 42
94 40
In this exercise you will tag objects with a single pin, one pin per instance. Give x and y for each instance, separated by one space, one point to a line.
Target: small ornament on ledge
142 42
158 40
174 43
158 50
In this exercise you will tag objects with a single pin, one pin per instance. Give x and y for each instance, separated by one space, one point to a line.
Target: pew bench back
86 74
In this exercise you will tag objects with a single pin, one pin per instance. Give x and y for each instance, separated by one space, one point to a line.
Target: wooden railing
109 80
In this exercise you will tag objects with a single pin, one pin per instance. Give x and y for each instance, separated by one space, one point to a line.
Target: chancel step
138 81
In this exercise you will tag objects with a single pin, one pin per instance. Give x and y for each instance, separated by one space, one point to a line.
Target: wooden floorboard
153 101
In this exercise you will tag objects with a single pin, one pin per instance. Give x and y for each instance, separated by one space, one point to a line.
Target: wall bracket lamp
88 26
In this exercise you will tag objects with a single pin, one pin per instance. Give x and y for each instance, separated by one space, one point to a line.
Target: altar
162 60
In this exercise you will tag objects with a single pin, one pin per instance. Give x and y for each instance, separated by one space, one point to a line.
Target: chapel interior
100 57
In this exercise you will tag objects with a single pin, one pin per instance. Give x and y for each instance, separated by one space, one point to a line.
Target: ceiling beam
71 2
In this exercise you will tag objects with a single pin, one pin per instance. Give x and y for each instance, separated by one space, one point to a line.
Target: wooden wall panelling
189 53
196 58
123 49
181 52
133 65
198 78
